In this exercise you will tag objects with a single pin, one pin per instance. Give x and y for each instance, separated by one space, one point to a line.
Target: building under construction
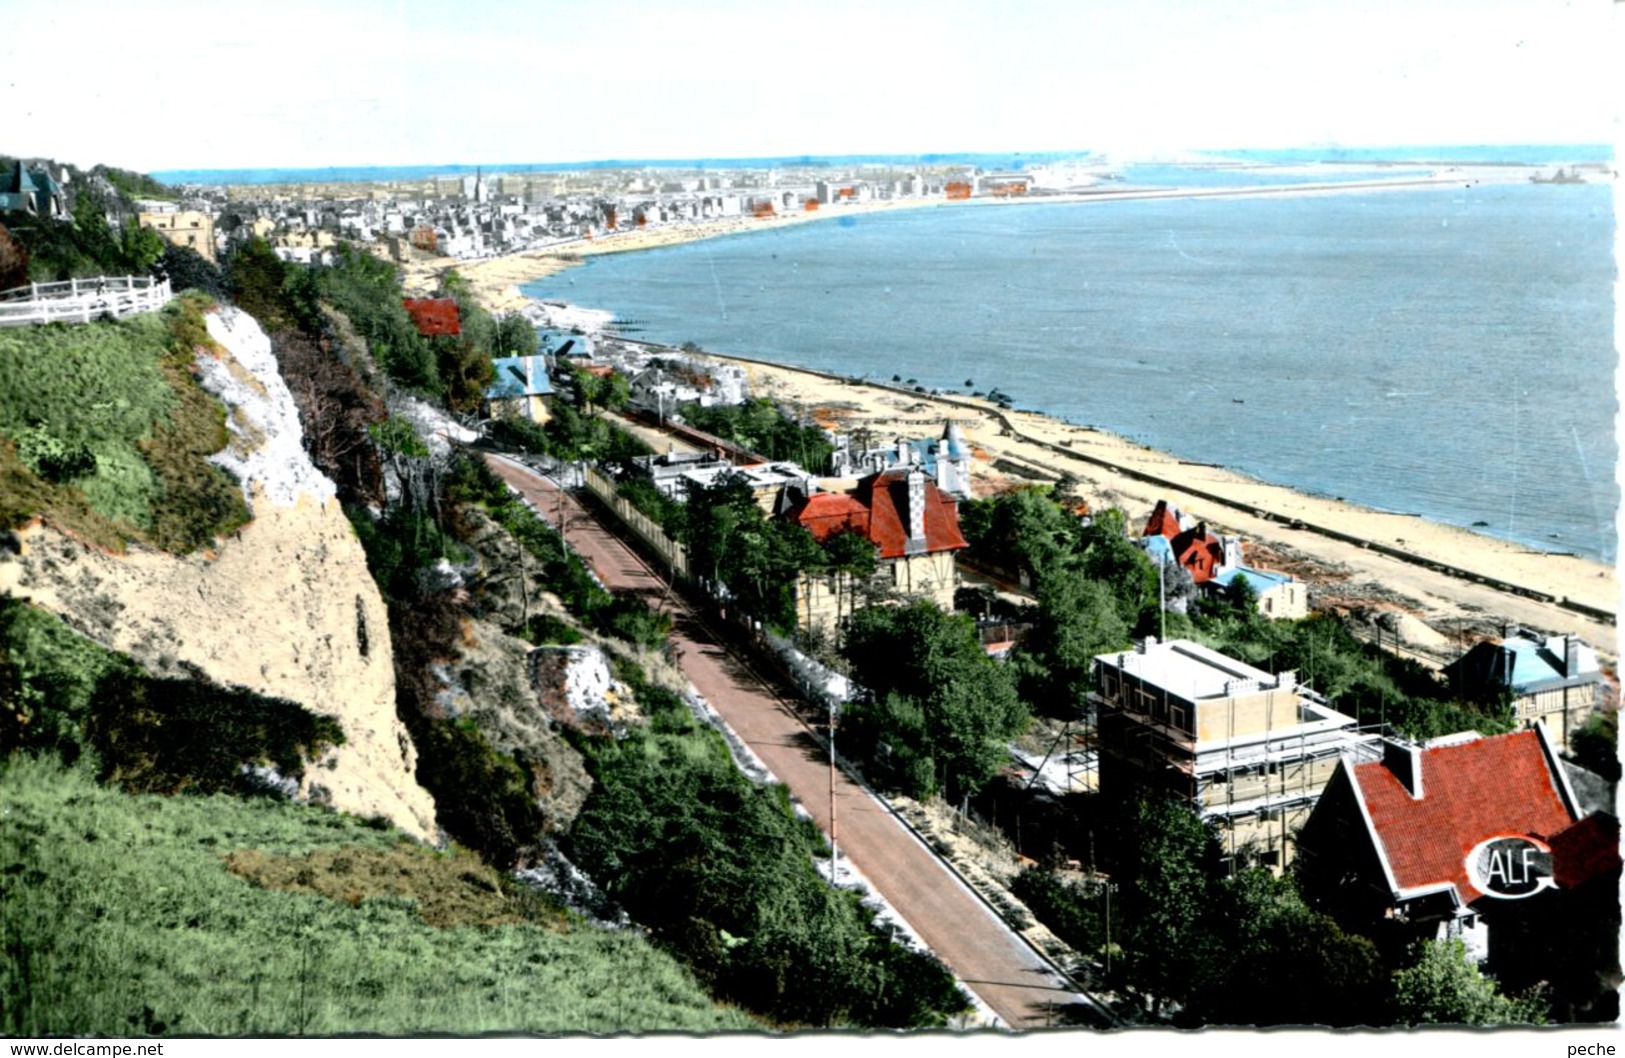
1250 751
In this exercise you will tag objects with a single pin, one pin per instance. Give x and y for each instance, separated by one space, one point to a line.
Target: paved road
992 961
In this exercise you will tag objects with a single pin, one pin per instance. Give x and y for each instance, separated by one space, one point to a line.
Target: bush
71 698
721 872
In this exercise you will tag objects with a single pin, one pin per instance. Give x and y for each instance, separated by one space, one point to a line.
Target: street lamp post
834 848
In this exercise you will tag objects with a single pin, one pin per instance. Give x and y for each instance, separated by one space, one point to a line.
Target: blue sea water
1446 352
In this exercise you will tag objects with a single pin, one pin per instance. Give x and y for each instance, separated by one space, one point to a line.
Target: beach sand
1344 574
1343 561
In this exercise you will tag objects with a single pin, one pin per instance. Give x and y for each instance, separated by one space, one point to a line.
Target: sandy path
991 960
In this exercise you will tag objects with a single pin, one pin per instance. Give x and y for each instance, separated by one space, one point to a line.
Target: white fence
82 300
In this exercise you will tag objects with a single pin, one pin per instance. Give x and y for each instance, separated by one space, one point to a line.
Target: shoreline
1354 557
496 281
1438 572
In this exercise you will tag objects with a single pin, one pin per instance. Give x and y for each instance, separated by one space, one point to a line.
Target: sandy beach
1462 585
496 280
1278 524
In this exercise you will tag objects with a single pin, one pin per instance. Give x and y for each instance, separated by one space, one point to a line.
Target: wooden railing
673 554
82 300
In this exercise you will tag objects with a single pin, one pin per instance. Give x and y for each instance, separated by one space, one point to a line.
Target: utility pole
834 848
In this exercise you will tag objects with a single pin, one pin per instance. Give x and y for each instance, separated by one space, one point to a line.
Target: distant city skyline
300 84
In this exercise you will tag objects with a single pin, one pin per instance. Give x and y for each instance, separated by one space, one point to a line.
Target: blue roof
1532 663
1158 547
519 376
1260 580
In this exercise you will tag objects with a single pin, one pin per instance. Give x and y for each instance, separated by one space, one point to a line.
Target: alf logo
1510 867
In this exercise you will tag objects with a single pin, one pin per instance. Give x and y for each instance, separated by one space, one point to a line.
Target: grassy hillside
104 430
133 914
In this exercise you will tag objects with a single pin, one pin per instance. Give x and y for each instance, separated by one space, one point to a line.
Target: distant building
31 191
946 458
1202 553
186 228
1555 679
914 526
1452 837
776 486
1215 562
1248 750
1277 595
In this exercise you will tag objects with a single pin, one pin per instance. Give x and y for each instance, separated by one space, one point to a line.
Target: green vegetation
123 917
111 432
1357 677
759 426
367 289
86 245
1444 988
941 713
68 697
721 871
1196 947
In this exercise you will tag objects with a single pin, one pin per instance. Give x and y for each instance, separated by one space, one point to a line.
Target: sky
196 84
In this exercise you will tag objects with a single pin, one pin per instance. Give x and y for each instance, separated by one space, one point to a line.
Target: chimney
1404 759
1571 656
916 511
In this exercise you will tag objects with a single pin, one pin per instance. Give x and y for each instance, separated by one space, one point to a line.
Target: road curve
1003 971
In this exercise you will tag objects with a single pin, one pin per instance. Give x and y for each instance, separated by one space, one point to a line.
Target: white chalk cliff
284 607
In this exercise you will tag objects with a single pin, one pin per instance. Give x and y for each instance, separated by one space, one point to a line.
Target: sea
1446 352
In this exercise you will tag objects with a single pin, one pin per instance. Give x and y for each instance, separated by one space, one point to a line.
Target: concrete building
1553 679
187 228
915 529
676 474
1277 595
1250 751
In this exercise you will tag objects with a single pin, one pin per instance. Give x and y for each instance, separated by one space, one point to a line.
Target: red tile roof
434 315
1589 849
876 509
1471 791
1163 521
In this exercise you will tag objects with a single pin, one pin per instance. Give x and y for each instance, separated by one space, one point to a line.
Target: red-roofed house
1441 839
915 529
1203 553
434 316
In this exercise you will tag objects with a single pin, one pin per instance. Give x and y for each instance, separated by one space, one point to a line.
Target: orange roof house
434 316
899 511
1438 840
915 529
1203 553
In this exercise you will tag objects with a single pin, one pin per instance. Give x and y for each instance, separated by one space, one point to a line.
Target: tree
516 335
1162 866
1127 572
1444 988
189 270
1596 744
13 261
1076 620
1284 964
140 247
852 559
945 709
1023 530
